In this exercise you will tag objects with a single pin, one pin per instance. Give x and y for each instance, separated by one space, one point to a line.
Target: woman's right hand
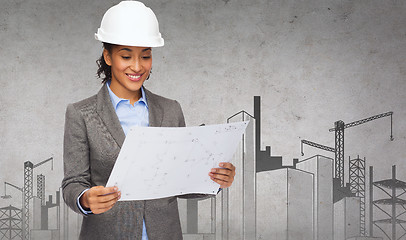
100 199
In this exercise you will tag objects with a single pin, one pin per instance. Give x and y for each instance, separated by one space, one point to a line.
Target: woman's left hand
224 175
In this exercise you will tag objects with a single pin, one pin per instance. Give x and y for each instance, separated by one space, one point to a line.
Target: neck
124 93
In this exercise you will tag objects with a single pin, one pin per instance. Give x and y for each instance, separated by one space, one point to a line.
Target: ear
107 57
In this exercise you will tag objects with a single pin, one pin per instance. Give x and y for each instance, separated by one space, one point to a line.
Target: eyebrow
128 49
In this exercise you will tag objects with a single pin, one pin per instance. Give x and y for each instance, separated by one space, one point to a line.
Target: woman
95 129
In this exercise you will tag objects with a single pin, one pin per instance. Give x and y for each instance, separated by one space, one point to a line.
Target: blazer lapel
155 110
107 113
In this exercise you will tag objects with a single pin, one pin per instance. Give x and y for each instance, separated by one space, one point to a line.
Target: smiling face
130 67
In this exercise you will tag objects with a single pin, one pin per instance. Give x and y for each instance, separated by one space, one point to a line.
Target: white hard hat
130 23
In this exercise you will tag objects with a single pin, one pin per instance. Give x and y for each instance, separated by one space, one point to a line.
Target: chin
134 86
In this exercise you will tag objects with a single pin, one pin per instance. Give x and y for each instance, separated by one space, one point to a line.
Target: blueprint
158 162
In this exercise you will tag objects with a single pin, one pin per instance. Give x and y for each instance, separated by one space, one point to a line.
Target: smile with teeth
134 76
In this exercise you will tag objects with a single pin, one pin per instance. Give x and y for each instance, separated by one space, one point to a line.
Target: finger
94 190
102 210
94 200
109 197
106 198
227 165
220 177
103 206
222 171
105 190
223 184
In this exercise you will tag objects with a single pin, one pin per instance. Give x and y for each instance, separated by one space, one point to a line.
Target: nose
136 66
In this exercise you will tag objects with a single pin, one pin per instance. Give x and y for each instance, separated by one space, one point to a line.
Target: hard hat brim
140 42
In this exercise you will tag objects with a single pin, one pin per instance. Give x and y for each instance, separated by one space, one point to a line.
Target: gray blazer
93 138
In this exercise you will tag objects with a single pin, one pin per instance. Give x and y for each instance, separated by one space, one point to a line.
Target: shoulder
165 103
90 103
86 103
169 110
82 108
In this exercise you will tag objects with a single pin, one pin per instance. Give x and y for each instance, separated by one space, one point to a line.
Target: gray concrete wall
313 62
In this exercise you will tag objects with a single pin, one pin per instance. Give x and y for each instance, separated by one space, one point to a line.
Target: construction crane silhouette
28 193
11 185
339 127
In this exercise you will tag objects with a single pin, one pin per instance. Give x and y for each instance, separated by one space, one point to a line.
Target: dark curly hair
105 69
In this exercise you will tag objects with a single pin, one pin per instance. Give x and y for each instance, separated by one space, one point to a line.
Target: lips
134 77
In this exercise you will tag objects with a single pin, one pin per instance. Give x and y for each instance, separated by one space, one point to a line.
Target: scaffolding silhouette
28 193
10 223
28 189
390 187
357 186
41 188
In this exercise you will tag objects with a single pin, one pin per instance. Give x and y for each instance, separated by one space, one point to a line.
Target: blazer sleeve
75 158
180 115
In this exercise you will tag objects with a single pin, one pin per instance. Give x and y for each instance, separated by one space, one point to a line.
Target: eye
146 57
125 57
